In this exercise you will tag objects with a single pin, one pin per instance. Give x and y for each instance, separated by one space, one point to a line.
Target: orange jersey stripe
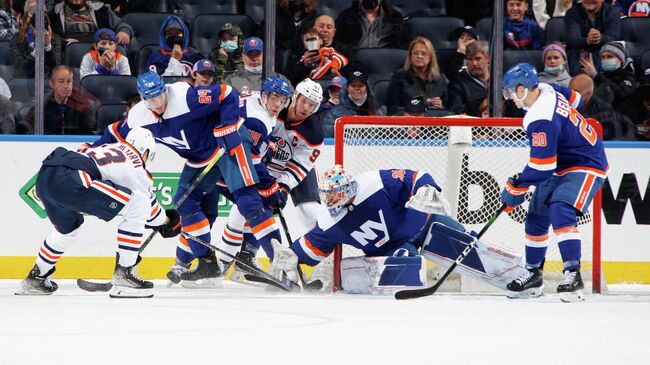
230 236
50 256
122 239
184 241
537 238
110 190
314 249
198 225
267 223
544 161
567 229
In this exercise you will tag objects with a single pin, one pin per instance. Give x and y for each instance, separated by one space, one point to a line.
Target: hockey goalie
399 219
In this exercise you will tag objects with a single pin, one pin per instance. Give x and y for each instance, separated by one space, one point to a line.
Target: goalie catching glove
428 199
285 262
172 227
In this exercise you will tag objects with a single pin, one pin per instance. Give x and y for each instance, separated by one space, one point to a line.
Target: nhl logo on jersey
114 204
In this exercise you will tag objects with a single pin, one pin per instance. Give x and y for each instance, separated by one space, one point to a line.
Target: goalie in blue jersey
397 218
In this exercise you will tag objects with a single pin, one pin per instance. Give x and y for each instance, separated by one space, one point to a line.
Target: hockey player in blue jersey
567 166
195 122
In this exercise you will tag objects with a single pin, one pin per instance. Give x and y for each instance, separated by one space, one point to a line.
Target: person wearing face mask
555 70
356 99
227 58
248 79
104 58
78 20
372 23
174 58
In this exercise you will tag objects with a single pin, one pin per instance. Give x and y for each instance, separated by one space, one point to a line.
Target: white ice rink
245 325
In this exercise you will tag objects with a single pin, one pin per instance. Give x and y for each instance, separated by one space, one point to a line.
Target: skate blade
210 283
571 297
33 292
526 294
239 277
127 292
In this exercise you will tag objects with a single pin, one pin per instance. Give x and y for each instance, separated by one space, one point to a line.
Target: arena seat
556 30
439 30
107 114
411 8
6 65
146 29
484 28
391 60
22 90
636 34
190 9
380 90
514 56
205 29
255 10
110 89
332 7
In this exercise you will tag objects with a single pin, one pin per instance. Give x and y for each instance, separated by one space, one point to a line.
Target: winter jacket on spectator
392 29
577 27
23 56
8 26
161 61
454 66
347 107
562 79
601 110
90 65
406 85
225 64
101 16
616 86
73 117
466 94
524 34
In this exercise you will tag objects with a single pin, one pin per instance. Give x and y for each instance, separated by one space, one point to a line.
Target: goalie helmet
276 84
311 90
337 188
142 140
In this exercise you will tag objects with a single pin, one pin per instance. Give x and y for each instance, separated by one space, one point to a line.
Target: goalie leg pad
488 263
382 275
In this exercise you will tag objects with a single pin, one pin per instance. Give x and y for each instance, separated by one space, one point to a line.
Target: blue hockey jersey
188 124
561 140
376 221
260 126
525 34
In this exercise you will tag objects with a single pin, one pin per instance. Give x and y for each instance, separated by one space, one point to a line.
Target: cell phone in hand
101 51
312 44
584 55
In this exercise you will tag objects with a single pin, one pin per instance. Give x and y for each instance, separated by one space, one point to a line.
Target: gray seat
22 90
380 90
107 114
513 56
6 65
255 10
380 63
484 27
110 89
635 31
439 30
411 8
205 29
190 9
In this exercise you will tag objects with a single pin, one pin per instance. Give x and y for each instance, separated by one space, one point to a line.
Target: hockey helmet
150 85
142 140
311 90
337 188
277 85
523 74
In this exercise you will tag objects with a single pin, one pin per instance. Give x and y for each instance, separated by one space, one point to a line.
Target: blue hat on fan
203 65
105 34
253 44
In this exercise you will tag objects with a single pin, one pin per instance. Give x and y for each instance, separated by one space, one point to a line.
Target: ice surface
245 325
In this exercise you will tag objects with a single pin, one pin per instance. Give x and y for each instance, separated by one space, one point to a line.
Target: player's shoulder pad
311 130
544 107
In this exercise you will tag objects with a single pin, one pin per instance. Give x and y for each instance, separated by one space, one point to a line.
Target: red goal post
364 143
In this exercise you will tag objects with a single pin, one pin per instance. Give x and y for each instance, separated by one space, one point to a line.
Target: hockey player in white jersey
567 165
387 213
103 181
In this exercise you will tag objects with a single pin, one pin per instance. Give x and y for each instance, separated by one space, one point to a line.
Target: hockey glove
285 262
428 199
274 195
512 196
228 136
173 226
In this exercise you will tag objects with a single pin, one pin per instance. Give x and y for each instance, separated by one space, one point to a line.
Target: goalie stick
104 287
311 286
418 293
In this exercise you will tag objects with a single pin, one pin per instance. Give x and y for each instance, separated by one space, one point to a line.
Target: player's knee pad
382 275
138 208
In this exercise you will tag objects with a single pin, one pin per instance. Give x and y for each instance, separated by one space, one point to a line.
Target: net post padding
441 140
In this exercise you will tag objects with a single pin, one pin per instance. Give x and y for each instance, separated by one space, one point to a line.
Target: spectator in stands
372 23
465 36
357 99
64 112
173 58
7 123
520 32
616 82
334 87
326 28
416 107
589 25
317 62
227 59
293 18
203 73
78 20
420 76
632 8
595 107
104 58
555 65
468 90
249 79
542 9
8 21
22 48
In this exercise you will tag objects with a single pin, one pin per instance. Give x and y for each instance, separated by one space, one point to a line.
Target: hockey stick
314 285
417 293
266 278
104 287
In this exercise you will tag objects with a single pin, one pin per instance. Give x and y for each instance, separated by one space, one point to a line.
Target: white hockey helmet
311 90
142 140
337 188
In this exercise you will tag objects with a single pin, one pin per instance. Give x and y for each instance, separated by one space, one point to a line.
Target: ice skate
127 284
206 274
174 275
529 285
570 289
240 270
37 284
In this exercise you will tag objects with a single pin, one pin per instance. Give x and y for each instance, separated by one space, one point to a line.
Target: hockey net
471 159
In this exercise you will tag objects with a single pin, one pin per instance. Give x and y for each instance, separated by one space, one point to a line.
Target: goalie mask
142 140
337 188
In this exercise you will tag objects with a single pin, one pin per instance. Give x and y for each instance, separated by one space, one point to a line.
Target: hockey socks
53 247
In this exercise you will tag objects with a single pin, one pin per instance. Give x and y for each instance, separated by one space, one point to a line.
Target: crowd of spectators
592 58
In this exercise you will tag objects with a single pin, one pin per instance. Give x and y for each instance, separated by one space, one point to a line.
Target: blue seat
439 30
110 89
411 8
205 29
190 9
146 29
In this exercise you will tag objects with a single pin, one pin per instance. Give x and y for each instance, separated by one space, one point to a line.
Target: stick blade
94 287
413 293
